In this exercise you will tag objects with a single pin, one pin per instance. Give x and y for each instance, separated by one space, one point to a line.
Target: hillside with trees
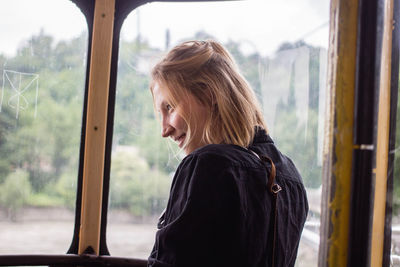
40 121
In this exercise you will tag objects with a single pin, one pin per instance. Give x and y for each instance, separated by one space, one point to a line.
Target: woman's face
174 126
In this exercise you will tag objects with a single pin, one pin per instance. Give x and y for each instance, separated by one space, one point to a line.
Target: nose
167 129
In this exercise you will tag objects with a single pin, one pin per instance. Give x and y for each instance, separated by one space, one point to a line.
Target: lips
180 139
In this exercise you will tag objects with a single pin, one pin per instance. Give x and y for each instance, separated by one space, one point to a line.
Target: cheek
202 115
178 123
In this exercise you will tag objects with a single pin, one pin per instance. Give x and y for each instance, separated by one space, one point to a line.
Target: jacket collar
261 136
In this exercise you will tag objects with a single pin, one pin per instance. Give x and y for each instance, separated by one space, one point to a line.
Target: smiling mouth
180 139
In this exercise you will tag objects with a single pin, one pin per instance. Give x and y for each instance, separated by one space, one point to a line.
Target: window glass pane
395 249
42 65
280 47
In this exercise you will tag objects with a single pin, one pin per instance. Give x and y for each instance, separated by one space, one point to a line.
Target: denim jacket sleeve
196 223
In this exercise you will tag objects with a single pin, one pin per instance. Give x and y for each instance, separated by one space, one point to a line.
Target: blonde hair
207 71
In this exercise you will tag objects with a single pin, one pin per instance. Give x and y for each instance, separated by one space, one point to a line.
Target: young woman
235 200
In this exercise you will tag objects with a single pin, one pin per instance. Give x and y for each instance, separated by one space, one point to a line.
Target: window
43 66
395 248
285 64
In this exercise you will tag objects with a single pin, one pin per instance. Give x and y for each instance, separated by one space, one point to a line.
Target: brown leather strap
274 188
274 237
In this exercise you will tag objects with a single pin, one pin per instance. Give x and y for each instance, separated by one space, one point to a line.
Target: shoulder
206 160
223 155
207 170
214 164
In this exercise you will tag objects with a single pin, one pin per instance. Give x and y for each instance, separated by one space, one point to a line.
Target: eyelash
168 107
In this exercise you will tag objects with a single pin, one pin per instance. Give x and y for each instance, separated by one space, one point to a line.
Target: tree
396 173
14 192
136 187
45 144
43 139
297 136
6 129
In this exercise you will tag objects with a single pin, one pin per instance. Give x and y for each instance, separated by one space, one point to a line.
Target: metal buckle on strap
276 188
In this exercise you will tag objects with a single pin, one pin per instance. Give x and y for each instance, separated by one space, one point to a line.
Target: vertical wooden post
96 124
338 147
382 140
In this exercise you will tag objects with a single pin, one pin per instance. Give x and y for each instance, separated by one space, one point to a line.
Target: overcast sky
260 25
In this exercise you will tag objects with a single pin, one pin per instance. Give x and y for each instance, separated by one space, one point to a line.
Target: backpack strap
274 189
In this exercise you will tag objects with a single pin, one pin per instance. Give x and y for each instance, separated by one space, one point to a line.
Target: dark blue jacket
219 211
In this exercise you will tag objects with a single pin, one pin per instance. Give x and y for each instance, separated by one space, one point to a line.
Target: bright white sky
258 24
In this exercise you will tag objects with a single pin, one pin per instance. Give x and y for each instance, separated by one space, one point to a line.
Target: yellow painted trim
338 149
95 139
378 226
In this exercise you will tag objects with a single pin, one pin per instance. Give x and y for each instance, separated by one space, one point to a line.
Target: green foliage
297 134
45 143
248 66
6 130
43 199
133 99
396 175
135 123
159 152
65 189
42 126
14 192
56 193
135 186
300 147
